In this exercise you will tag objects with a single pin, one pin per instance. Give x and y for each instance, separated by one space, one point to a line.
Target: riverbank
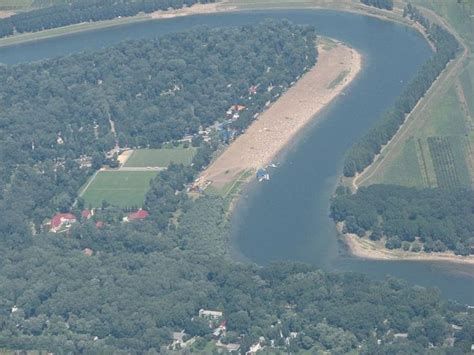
197 9
90 26
367 249
211 8
414 120
5 14
277 127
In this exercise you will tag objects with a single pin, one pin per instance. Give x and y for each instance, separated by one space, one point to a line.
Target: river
287 218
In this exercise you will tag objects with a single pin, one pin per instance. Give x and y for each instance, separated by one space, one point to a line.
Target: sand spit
278 125
364 248
5 14
193 10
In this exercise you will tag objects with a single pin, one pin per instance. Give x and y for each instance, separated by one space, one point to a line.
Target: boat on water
262 175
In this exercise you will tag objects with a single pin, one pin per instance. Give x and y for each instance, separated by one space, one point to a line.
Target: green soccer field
119 188
160 157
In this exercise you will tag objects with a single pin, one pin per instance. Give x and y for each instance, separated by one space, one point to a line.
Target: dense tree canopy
153 90
138 287
77 11
441 219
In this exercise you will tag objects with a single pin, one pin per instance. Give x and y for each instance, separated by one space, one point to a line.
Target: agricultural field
447 117
119 188
142 158
449 171
27 4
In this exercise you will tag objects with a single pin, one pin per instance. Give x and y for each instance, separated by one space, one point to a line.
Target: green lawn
120 188
160 157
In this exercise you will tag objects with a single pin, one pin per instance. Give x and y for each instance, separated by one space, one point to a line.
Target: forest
433 220
364 150
381 4
139 286
77 11
154 90
124 288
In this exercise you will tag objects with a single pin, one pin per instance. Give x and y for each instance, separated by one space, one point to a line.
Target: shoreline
196 9
366 249
451 68
284 119
224 6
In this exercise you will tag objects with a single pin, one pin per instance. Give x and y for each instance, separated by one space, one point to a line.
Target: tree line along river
287 218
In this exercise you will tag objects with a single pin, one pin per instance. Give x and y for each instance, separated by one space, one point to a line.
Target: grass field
160 157
119 188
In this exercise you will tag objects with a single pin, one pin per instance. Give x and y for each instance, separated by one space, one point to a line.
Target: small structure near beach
262 175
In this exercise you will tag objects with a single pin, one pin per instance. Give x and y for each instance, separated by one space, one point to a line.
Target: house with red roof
135 216
253 90
61 222
238 108
86 214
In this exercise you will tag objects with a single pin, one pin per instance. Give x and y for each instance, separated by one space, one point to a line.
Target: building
61 221
87 251
136 216
86 214
254 349
231 347
238 108
205 313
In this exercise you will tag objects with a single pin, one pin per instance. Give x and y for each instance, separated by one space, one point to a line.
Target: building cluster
218 326
226 132
62 222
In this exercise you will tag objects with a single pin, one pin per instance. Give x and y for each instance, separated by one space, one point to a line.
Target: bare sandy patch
366 249
193 10
5 14
279 124
124 156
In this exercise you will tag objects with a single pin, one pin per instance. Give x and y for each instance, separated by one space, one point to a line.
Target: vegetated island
276 128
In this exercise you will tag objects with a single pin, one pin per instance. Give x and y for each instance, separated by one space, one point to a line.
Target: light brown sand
366 249
5 14
193 10
123 157
278 125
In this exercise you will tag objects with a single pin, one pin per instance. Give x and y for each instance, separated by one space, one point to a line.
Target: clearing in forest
118 188
142 158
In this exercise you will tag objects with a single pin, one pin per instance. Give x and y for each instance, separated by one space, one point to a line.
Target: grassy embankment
437 146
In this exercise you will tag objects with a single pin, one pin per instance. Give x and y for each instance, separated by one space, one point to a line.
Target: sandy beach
5 14
279 124
193 10
366 249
